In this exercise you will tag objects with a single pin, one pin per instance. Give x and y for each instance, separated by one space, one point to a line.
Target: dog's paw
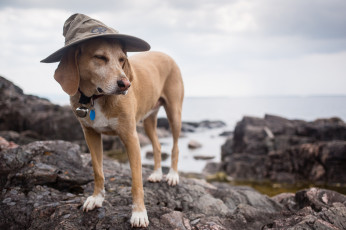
172 178
94 201
156 176
139 219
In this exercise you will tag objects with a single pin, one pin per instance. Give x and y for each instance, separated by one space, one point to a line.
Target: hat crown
80 26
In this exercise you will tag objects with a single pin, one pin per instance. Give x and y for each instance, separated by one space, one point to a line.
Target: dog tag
82 111
92 115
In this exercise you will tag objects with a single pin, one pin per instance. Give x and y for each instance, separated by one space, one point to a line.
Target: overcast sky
224 48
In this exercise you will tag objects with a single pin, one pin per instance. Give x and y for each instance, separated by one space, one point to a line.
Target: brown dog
100 69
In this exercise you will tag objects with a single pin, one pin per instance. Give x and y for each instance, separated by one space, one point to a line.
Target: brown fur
155 80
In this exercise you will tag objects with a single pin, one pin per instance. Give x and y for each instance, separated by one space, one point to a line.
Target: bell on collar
82 111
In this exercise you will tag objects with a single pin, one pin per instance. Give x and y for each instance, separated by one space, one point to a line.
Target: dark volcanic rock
287 151
57 163
46 183
312 209
321 162
20 112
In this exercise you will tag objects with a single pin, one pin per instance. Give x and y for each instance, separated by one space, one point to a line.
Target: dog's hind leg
173 112
94 142
150 124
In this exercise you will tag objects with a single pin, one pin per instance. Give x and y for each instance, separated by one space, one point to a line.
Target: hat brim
133 44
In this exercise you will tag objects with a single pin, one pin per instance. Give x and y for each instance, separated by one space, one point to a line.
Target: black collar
86 100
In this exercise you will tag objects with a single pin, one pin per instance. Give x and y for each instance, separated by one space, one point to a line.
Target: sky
223 48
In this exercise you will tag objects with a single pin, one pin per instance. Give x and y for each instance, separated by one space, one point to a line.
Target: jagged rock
57 163
245 166
312 209
175 220
36 193
287 151
20 112
318 162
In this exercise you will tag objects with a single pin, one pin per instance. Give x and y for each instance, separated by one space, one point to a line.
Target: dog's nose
123 84
99 90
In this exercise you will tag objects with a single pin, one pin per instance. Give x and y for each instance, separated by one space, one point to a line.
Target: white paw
139 219
172 177
156 176
94 201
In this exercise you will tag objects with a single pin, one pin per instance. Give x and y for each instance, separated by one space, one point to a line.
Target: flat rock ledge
43 186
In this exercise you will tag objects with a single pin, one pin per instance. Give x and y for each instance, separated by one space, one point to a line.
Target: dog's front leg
139 216
94 143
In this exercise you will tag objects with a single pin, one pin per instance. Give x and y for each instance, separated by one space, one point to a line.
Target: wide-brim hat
79 28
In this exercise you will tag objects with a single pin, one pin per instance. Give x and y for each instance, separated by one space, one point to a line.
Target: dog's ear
127 70
67 73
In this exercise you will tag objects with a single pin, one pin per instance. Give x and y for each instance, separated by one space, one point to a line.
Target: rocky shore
46 174
43 185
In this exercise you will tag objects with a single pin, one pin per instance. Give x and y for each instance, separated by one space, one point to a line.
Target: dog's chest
101 123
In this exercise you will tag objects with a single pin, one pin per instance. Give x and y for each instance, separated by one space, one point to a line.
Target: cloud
313 19
244 47
28 36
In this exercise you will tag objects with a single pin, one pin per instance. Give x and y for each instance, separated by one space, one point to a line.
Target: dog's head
97 66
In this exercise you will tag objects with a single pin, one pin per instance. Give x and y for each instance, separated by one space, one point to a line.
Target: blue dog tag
92 115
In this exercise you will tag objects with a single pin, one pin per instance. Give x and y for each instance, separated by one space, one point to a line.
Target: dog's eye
101 57
121 59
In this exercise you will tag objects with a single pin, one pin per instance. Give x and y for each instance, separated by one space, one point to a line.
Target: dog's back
156 77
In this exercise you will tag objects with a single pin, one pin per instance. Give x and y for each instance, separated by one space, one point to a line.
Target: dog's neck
86 100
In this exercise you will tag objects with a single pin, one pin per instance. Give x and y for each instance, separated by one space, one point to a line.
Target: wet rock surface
287 151
45 183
